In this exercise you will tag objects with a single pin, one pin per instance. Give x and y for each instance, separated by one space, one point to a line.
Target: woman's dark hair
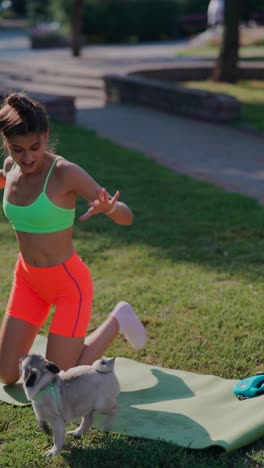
20 115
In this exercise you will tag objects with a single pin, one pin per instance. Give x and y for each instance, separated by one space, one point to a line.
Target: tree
77 27
226 68
19 7
38 11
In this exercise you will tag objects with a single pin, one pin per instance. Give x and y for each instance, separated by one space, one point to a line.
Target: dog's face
33 367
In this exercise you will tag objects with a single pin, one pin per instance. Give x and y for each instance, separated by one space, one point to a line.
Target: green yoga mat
191 410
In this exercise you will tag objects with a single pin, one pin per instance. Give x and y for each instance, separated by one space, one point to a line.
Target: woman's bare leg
16 338
121 320
64 351
68 352
99 341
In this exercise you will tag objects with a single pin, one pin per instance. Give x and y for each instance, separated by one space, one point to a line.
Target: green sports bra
42 216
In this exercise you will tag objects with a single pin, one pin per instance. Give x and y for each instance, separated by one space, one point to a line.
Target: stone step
71 69
50 88
85 83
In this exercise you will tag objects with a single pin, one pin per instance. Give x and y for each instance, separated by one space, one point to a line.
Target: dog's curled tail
104 365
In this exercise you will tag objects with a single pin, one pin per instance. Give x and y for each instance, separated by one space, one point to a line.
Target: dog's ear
110 363
104 365
31 378
52 367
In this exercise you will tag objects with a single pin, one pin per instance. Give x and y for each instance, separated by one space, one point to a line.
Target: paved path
219 154
222 155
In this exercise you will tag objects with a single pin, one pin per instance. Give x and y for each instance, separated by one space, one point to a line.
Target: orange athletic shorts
67 286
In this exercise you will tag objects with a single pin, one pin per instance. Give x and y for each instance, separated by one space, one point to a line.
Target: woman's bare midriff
46 250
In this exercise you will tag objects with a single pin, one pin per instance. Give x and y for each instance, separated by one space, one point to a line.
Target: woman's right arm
8 163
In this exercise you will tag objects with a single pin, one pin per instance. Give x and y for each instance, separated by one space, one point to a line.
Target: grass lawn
208 51
249 93
192 265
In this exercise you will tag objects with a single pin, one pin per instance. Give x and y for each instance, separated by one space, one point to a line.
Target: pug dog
59 397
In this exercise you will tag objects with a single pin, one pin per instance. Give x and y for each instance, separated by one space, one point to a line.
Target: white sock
130 325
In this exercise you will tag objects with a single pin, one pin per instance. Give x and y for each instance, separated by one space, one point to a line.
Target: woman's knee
7 378
9 374
16 338
64 351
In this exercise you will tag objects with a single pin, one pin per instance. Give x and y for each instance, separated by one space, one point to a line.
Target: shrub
117 21
38 11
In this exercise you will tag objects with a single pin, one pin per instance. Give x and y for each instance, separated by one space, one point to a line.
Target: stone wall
48 43
158 88
171 98
61 108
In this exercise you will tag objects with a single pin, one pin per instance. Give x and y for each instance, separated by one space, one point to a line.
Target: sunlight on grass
248 53
245 53
250 93
208 43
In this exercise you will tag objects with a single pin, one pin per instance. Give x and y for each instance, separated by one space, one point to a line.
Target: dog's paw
75 433
52 452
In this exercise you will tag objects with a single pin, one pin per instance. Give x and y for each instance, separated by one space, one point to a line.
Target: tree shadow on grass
135 452
181 219
150 413
169 430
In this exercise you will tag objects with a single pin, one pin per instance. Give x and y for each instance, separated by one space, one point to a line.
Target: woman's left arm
99 200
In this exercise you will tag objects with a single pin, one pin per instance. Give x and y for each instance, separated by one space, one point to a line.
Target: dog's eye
31 378
52 367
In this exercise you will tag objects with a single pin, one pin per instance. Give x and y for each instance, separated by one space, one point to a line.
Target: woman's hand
102 204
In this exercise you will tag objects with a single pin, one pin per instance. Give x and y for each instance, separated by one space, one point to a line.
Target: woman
40 192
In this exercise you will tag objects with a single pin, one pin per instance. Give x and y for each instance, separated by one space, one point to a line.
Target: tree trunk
77 27
226 68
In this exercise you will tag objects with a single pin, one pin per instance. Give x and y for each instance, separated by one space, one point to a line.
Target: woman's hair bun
20 102
20 115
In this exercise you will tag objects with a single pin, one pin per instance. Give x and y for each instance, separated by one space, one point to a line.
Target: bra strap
50 171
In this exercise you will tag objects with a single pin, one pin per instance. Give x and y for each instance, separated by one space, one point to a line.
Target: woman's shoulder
64 166
67 171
